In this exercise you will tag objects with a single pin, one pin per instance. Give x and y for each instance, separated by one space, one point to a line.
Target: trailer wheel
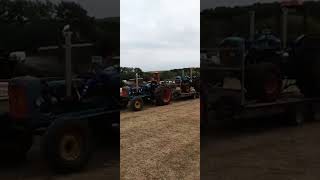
136 104
204 120
67 146
195 96
297 114
163 96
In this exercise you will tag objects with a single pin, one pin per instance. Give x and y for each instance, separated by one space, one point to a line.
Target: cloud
160 34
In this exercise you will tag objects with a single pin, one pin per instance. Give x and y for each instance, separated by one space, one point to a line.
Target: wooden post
68 63
284 27
137 80
252 25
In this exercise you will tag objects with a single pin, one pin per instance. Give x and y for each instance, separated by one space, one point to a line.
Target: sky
160 34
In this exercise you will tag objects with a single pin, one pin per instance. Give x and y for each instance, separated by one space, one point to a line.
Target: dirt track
261 149
161 142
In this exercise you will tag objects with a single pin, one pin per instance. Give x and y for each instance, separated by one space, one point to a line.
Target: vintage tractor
263 60
185 86
252 77
152 92
40 107
269 61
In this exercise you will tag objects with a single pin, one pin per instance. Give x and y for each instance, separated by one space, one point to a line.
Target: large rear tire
67 145
263 82
163 95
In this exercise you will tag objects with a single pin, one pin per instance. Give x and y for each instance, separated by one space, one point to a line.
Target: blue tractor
40 107
151 92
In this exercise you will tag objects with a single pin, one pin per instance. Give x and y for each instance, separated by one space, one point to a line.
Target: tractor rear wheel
263 82
163 96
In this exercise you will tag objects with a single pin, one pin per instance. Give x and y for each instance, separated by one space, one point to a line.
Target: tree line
220 22
27 25
127 73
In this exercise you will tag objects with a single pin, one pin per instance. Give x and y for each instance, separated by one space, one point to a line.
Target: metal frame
245 104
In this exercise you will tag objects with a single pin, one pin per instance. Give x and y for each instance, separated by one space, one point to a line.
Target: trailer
177 93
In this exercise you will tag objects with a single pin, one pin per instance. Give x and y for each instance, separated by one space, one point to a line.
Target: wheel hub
70 147
137 104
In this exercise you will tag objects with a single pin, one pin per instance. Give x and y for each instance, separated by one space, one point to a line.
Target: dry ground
161 142
261 149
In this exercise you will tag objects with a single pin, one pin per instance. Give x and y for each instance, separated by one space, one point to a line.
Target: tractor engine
23 92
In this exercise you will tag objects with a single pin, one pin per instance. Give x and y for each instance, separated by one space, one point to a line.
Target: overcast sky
160 34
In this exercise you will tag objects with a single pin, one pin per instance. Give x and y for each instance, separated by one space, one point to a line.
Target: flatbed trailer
291 104
177 94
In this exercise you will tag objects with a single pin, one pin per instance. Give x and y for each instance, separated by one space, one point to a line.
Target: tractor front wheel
67 145
136 104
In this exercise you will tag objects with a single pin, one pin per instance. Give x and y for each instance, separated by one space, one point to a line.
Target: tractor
66 112
186 86
269 61
40 107
252 76
152 92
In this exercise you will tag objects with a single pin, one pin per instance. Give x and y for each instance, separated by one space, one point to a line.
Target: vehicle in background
261 69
